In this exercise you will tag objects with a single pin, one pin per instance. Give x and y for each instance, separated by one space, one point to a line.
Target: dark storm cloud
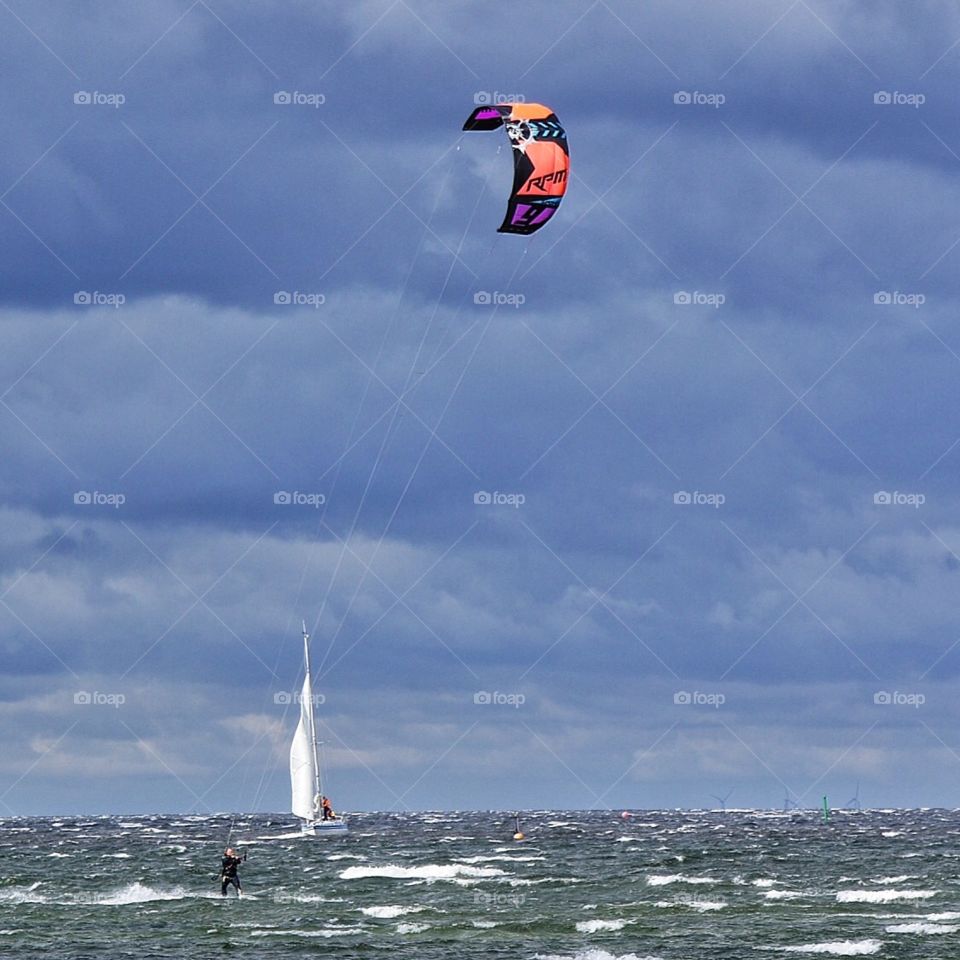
721 400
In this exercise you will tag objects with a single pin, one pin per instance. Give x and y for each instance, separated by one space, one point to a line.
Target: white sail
303 776
305 783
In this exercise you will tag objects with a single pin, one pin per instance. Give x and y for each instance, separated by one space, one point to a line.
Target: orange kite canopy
541 161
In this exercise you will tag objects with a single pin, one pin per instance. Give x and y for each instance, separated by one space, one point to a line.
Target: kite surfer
228 871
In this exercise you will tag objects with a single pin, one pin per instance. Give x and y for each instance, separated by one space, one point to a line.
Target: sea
583 885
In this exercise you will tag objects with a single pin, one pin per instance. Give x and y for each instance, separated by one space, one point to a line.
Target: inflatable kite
541 161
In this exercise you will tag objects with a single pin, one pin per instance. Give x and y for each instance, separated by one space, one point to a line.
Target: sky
654 507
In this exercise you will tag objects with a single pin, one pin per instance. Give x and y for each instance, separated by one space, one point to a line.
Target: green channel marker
826 811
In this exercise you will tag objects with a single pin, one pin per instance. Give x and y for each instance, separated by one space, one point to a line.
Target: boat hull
324 828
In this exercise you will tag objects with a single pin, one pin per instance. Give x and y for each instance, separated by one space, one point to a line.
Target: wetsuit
228 874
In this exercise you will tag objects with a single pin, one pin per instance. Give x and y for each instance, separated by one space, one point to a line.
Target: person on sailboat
327 808
228 871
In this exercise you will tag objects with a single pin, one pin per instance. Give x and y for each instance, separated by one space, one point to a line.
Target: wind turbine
854 801
722 800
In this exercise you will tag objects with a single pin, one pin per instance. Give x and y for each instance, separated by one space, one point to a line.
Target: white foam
839 948
325 933
137 893
763 882
662 881
389 912
783 895
412 927
283 897
431 871
22 894
131 893
500 857
694 903
924 928
596 926
883 896
591 955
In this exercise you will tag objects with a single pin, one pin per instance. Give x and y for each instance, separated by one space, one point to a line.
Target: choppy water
589 886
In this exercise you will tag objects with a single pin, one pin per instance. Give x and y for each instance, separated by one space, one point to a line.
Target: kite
541 161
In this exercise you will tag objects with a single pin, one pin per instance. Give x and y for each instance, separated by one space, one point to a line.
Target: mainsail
303 772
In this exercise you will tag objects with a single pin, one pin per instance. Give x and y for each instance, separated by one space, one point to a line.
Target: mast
313 725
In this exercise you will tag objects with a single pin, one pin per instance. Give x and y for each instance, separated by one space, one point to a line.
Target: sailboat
306 784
